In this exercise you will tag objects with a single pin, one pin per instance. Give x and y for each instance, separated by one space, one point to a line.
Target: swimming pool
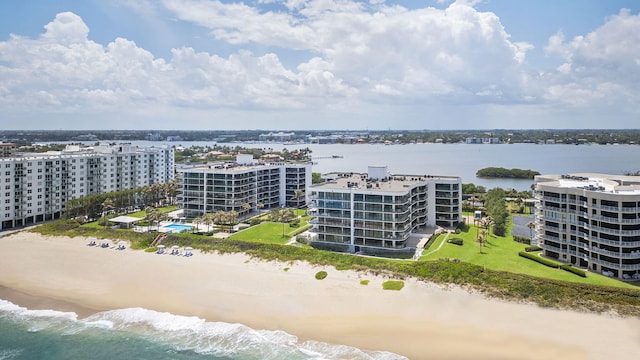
176 228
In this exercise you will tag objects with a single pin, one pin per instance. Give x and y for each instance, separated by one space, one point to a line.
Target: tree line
95 205
498 172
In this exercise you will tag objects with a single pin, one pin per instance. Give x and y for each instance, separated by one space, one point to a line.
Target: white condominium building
591 221
35 187
243 186
378 211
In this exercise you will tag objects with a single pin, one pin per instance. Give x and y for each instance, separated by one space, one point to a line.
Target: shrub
532 248
393 285
456 241
521 239
255 221
151 249
321 275
364 282
576 271
539 259
458 231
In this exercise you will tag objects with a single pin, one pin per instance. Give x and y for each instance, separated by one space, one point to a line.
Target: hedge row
456 241
539 259
522 239
532 248
576 271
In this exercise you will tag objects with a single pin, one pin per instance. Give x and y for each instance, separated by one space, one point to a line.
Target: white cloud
364 60
456 50
602 67
63 71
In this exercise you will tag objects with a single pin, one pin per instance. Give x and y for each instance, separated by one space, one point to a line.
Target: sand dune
420 321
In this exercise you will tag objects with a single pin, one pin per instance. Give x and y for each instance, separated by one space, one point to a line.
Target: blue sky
319 64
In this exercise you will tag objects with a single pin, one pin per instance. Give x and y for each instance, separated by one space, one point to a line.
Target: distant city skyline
320 64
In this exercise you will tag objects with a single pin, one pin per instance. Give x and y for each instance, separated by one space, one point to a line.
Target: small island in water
502 173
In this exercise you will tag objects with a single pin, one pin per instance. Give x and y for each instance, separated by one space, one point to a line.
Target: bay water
465 160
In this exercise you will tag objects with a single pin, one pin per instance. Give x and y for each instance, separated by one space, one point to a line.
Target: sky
319 64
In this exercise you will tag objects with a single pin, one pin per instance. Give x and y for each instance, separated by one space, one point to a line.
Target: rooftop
617 184
392 183
231 167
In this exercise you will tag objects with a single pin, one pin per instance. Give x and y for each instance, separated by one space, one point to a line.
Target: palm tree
246 207
218 217
170 190
487 222
107 205
482 238
151 215
531 226
197 221
208 219
231 218
298 195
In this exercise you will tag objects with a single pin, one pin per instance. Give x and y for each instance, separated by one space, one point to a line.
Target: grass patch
320 275
364 282
501 254
266 232
396 285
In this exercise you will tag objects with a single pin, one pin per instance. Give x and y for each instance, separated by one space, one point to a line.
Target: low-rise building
591 221
376 211
36 186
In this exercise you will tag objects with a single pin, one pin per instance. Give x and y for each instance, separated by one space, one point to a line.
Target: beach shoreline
421 320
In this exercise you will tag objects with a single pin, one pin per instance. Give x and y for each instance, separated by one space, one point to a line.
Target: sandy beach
420 321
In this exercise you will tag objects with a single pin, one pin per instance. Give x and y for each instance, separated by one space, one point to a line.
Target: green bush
522 239
532 248
255 221
456 241
321 275
539 259
364 282
393 285
576 271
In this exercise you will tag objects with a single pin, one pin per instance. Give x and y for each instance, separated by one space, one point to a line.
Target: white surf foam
38 319
190 333
224 339
9 354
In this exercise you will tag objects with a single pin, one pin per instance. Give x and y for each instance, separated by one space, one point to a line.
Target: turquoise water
145 334
176 228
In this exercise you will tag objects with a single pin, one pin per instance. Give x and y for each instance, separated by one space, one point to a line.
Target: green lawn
266 232
271 232
501 253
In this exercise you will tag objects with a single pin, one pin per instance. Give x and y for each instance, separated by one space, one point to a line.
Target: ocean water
145 334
